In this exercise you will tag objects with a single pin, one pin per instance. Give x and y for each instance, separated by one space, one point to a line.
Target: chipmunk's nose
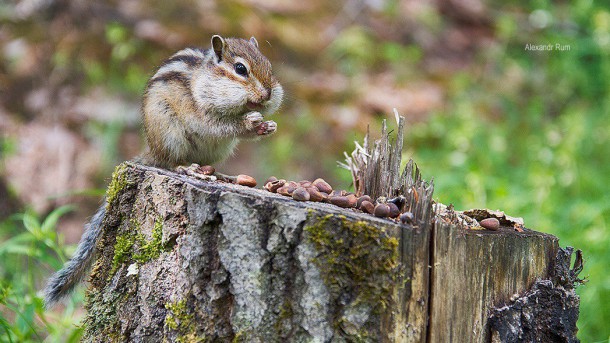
267 94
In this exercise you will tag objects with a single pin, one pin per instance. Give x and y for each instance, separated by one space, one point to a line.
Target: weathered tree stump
186 260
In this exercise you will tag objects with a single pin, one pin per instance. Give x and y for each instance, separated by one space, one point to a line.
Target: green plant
32 248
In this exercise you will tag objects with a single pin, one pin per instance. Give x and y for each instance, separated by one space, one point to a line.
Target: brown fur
194 108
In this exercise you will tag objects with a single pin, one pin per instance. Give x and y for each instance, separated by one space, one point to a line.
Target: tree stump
190 261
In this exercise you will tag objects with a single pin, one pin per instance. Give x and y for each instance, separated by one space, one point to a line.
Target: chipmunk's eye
241 69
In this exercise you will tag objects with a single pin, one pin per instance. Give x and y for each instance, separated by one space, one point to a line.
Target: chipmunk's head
240 80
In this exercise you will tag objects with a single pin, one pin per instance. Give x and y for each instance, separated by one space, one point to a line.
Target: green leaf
51 220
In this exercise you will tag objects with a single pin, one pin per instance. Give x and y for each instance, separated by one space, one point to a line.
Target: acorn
381 210
394 211
353 200
286 190
273 186
300 194
338 200
363 198
367 206
246 180
322 186
399 201
207 170
316 195
406 218
490 224
271 179
305 183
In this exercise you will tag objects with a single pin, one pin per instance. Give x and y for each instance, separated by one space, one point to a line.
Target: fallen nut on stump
394 211
305 183
322 186
285 190
362 199
273 186
288 188
245 180
406 218
300 194
490 224
382 210
271 179
207 170
353 200
338 193
338 200
315 194
367 206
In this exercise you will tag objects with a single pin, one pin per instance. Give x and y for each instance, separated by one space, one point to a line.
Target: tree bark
185 260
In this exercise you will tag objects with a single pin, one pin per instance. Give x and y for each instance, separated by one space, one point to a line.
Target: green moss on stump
133 245
179 319
150 250
117 183
122 251
355 257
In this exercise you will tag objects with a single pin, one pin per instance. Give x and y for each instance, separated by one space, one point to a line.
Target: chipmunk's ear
218 44
253 41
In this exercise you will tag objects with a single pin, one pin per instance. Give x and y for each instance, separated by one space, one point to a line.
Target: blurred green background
496 125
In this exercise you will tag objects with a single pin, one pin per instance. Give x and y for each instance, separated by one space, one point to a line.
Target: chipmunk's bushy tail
63 282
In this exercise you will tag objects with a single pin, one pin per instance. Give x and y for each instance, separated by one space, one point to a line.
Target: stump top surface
261 194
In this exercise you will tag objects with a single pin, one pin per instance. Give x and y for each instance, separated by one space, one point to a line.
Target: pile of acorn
320 191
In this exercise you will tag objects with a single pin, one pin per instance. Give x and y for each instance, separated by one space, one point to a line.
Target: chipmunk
195 109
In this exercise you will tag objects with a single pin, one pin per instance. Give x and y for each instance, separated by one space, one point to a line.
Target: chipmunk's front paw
253 121
266 128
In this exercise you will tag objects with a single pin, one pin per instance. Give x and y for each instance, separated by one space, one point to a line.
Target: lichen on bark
358 261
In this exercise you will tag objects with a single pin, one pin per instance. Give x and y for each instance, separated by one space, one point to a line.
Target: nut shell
362 199
367 206
271 179
316 195
490 224
394 211
406 218
381 210
300 194
305 183
246 180
339 193
273 186
322 186
338 200
207 170
353 200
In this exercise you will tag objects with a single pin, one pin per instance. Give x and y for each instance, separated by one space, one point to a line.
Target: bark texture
182 260
547 312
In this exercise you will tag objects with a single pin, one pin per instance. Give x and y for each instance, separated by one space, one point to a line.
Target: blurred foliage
496 125
529 134
30 248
